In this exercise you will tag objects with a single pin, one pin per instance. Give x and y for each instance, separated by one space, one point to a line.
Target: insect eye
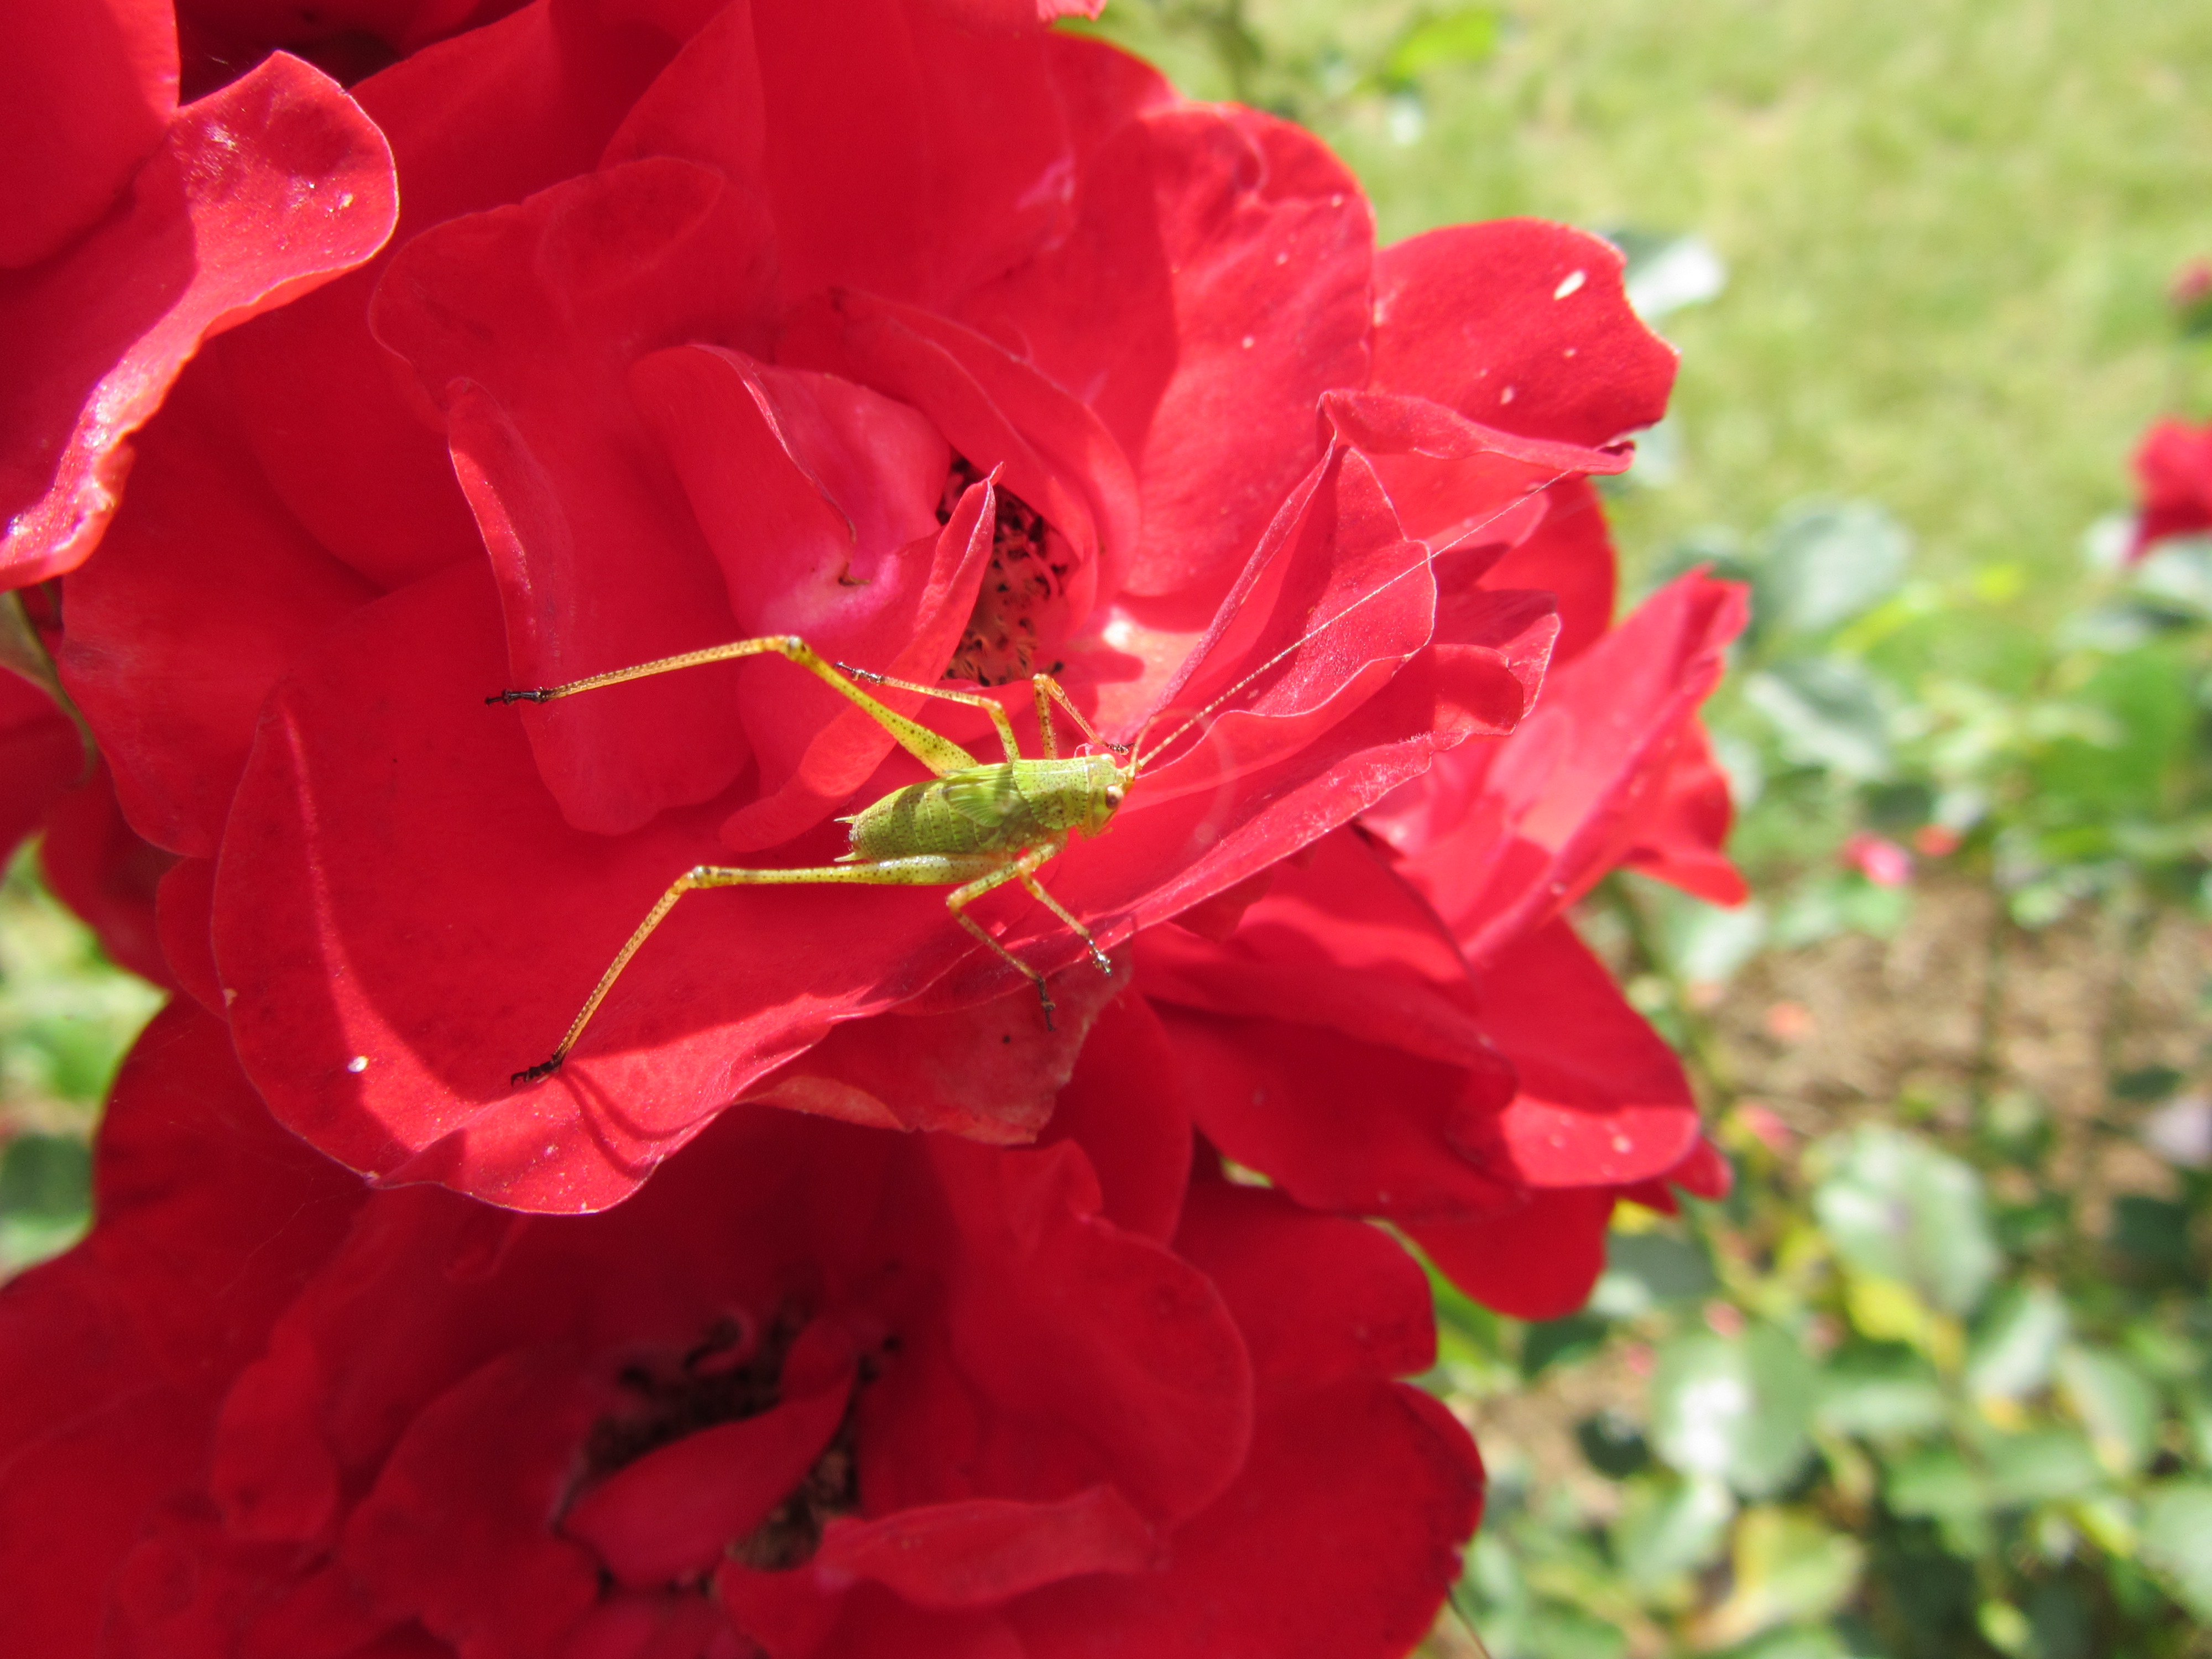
1113 794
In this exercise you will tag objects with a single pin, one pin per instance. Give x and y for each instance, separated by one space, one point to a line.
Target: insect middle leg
1046 690
931 871
1024 870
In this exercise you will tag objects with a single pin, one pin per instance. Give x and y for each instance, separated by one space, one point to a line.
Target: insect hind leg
1025 872
922 871
957 901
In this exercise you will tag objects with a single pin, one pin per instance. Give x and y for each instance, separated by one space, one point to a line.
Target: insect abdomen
991 808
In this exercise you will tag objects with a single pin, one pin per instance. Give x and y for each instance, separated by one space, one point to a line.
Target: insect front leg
939 754
919 872
1049 691
990 705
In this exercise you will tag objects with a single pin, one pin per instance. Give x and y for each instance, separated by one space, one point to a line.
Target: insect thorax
995 809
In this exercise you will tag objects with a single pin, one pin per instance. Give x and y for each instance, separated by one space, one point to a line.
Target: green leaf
2153 1230
2015 1345
1885 1394
2039 1466
1895 1208
1789 1567
2115 1402
1707 943
1465 35
1734 1409
1800 1642
1937 1483
1668 1527
1825 565
45 1178
1643 1270
1557 1341
1827 712
2176 1542
1611 1444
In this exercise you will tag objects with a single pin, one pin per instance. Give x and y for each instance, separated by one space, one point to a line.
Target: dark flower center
726 1378
1022 589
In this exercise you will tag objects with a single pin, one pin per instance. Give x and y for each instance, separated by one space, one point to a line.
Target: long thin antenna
1426 561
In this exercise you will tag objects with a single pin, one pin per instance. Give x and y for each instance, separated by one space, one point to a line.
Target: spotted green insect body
973 828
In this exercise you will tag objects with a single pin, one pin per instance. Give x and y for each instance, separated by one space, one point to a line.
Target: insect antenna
1426 561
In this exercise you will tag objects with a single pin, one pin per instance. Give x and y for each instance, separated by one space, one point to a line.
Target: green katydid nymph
973 827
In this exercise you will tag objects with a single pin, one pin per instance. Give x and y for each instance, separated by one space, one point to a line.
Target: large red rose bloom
977 351
817 1393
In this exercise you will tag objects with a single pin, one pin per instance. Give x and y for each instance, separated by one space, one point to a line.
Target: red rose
134 230
836 320
816 1393
2173 471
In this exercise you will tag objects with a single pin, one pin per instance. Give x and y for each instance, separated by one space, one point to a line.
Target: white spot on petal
1506 396
1283 257
1568 284
359 1063
1246 342
230 996
1337 200
1569 352
1622 1144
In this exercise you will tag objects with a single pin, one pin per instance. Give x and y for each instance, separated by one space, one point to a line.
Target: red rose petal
1337 1541
1320 1300
184 906
516 320
1521 323
87 89
205 590
41 753
1539 1262
1215 285
929 162
1501 837
990 1071
1685 830
72 1503
998 412
457 1529
260 192
1570 556
475 122
1060 1318
983 1551
1125 1107
676 1508
1602 1099
99 867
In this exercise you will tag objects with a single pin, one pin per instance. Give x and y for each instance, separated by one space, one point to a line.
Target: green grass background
1950 226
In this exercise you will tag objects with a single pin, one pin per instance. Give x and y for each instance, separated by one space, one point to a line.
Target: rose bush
976 349
817 1391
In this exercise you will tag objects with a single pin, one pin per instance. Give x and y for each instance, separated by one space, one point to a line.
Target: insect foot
543 1068
541 694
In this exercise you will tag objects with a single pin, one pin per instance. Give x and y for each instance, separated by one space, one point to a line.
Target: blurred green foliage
66 1017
